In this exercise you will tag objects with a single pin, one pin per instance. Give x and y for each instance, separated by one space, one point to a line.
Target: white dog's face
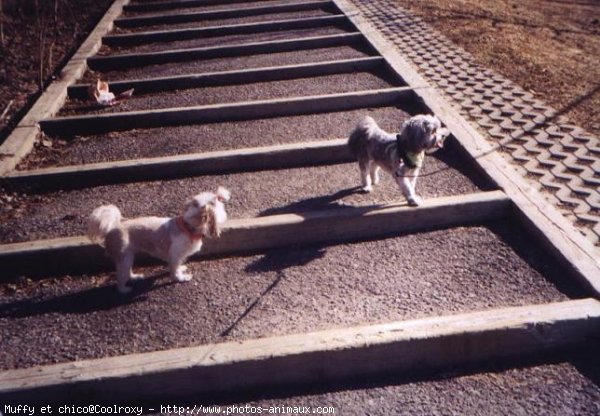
424 132
206 211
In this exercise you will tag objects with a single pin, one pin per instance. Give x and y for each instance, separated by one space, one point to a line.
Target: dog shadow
279 260
85 301
311 204
276 261
453 158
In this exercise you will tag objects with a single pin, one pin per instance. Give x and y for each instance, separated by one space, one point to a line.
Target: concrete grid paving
561 159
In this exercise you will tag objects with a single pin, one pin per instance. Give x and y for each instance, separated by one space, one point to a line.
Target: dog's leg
178 271
405 183
177 256
413 185
124 265
365 175
415 176
374 173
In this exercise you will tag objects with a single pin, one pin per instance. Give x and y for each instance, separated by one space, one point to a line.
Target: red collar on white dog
192 234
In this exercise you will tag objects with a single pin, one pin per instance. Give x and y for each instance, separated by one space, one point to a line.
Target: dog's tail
102 220
360 135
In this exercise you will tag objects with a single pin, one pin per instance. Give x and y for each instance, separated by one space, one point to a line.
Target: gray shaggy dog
401 155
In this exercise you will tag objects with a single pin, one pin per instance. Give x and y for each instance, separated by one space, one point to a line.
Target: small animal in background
100 92
400 154
170 239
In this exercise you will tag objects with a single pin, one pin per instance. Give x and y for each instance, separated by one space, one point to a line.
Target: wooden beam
139 38
77 255
553 230
213 79
419 347
178 4
326 152
160 19
123 61
249 110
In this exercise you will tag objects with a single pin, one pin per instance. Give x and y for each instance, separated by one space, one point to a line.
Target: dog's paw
123 290
368 189
135 276
414 201
181 275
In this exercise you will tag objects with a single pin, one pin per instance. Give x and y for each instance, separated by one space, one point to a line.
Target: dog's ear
102 86
223 194
414 135
210 220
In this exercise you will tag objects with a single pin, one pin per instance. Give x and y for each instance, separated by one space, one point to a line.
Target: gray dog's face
424 132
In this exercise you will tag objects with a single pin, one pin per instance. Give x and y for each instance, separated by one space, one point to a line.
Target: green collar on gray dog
410 159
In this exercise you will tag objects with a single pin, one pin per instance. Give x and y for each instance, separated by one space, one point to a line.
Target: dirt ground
36 39
549 47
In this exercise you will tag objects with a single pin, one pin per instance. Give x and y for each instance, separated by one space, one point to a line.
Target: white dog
170 239
399 154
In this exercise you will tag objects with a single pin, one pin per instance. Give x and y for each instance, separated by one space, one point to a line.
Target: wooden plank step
231 13
420 347
178 4
101 123
325 152
124 61
139 38
77 255
214 79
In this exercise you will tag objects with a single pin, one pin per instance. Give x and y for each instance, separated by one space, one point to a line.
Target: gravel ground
229 64
224 40
563 389
279 292
221 22
329 84
64 213
168 141
245 4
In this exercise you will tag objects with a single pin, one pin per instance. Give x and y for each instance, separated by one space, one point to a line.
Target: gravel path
229 21
230 64
558 389
64 213
328 84
295 290
224 40
244 4
168 141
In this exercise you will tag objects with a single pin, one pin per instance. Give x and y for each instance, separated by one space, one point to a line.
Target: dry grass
550 47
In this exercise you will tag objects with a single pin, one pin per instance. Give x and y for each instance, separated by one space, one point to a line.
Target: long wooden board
233 77
249 110
177 4
131 60
139 38
78 255
324 152
416 347
229 13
